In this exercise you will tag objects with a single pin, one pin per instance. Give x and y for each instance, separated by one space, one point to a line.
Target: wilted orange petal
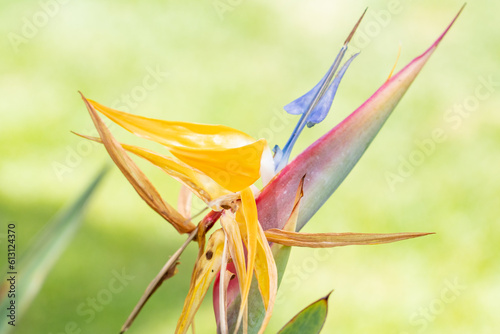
246 217
203 186
225 277
325 240
230 157
184 201
235 244
204 272
267 276
135 176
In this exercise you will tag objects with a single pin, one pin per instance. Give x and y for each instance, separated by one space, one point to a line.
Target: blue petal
319 113
300 105
313 106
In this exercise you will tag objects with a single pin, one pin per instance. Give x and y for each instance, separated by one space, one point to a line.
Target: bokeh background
237 63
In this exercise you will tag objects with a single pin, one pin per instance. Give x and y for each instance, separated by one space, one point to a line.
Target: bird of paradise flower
220 165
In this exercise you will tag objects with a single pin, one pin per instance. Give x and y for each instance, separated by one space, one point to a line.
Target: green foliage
310 320
35 265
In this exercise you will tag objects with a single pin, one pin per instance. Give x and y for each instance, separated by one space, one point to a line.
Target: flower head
220 165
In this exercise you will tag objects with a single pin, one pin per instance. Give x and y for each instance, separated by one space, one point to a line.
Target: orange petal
184 201
248 223
235 244
204 272
230 157
325 240
225 276
232 168
177 134
267 276
203 186
135 176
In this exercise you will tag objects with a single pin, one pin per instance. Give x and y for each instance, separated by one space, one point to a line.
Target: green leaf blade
42 255
310 320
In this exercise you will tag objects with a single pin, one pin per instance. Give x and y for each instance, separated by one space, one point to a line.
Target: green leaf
310 320
34 266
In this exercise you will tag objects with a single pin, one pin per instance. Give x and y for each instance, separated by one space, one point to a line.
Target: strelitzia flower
257 227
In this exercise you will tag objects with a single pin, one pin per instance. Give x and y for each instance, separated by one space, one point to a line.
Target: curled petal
237 251
237 229
203 186
230 157
326 240
267 276
205 270
235 243
225 276
246 218
136 177
184 201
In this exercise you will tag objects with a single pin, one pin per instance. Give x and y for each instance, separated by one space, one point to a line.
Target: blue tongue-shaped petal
314 105
319 113
300 105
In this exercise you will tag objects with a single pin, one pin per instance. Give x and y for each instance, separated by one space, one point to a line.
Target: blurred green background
237 63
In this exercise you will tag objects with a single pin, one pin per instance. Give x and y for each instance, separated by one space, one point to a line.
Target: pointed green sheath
310 320
328 161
